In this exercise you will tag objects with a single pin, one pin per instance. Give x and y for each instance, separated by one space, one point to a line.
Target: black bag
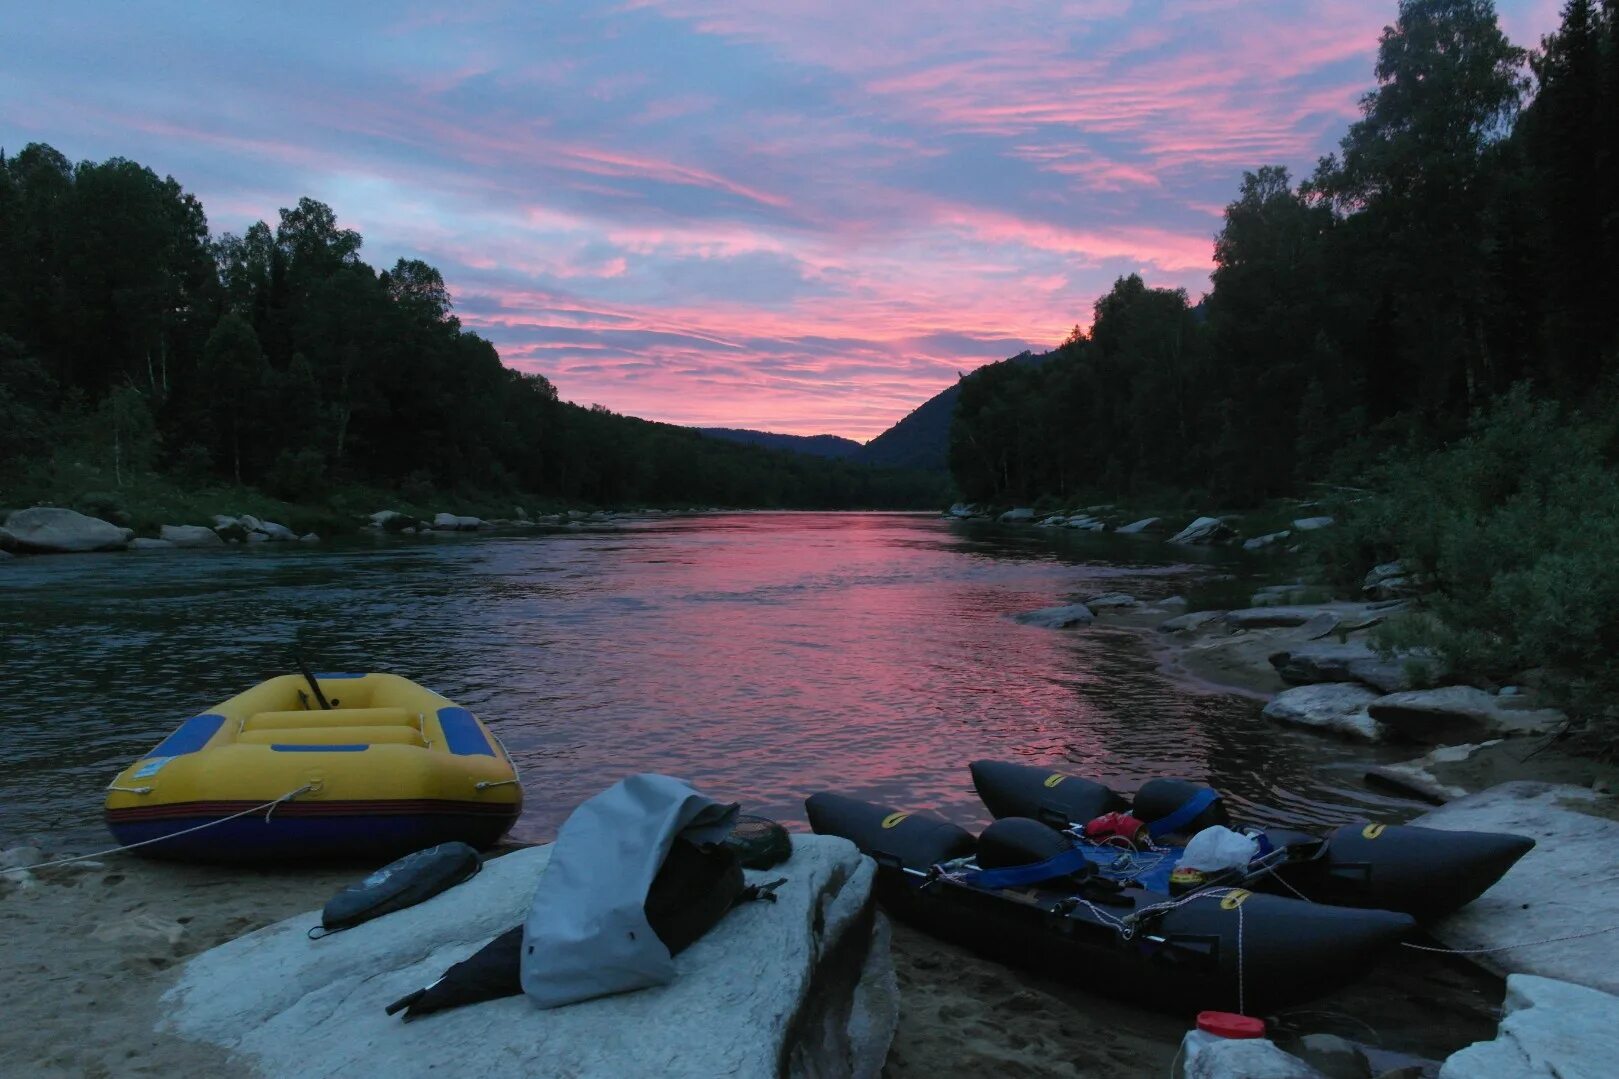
694 888
412 879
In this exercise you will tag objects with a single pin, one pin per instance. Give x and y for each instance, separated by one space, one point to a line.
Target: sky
803 216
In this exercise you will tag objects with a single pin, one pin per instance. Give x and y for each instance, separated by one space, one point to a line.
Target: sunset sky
792 215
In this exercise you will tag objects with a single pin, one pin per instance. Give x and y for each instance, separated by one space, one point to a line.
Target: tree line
1463 240
131 334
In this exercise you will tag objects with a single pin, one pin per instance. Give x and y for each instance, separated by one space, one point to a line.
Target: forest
133 341
1464 239
1421 337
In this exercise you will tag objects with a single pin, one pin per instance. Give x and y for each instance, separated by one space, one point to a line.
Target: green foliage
1514 525
297 475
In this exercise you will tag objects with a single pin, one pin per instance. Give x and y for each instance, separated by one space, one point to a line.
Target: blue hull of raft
289 839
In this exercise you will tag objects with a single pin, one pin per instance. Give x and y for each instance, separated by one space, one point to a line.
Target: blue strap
1069 861
1189 811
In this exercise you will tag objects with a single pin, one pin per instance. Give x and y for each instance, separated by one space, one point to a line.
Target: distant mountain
830 446
922 438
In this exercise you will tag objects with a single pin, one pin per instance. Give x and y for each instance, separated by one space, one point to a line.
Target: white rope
268 807
1509 947
485 784
130 790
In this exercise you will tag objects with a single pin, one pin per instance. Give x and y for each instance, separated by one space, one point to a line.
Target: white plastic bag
1217 848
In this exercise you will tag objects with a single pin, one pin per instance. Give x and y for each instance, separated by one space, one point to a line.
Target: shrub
297 474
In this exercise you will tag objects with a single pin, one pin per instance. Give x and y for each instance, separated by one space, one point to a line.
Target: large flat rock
804 986
54 530
1338 707
1548 1028
1565 886
1310 662
1458 714
1064 617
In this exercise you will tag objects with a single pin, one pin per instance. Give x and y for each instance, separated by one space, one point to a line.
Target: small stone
21 857
309 537
1064 617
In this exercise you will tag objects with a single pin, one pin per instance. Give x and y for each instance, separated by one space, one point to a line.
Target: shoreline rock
55 530
1548 1028
1454 714
1338 707
1063 617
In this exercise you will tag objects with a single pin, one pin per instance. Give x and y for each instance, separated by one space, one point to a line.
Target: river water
762 656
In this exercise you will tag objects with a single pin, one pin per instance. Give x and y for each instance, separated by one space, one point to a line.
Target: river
762 656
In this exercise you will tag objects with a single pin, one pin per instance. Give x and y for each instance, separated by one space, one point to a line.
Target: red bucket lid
1230 1025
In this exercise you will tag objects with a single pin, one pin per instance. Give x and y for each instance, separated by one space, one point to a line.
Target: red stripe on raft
389 807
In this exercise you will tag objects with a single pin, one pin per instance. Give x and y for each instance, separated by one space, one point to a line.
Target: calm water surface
761 656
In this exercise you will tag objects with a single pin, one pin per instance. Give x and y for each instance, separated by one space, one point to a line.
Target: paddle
310 678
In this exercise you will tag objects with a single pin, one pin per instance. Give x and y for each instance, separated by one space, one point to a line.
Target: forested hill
134 341
1464 239
831 446
922 438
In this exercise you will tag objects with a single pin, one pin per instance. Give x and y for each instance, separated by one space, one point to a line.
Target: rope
485 784
130 790
268 807
1509 947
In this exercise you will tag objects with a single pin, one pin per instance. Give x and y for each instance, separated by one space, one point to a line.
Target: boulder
1414 779
449 522
1072 614
1392 580
309 537
146 543
1087 524
1204 530
54 530
250 522
1458 714
1016 516
1329 661
21 857
1146 524
1245 1058
1310 524
1172 602
1548 1028
1258 542
1271 617
1112 600
277 532
801 986
190 536
1185 623
1338 707
257 537
1562 888
224 521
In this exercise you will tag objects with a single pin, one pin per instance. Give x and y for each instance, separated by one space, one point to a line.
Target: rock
1272 617
1328 661
1172 601
1204 530
1392 580
1561 888
1322 624
392 521
1310 524
4 554
1258 542
1195 620
1146 524
250 522
802 986
191 536
1246 1058
1333 1057
1339 707
449 522
309 537
1072 614
226 522
1016 516
1458 714
146 543
1413 778
522 514
1548 1028
1087 524
21 857
1112 601
257 537
53 530
277 532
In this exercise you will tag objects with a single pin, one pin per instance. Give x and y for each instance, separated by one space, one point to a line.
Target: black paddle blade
494 971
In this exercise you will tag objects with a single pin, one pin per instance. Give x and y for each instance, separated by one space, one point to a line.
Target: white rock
21 857
1329 661
1272 617
1458 713
257 537
223 521
250 522
1246 1058
1111 600
1203 530
769 984
1071 614
1339 707
309 537
277 532
1172 601
1139 526
54 530
1310 524
449 522
1193 621
146 543
1258 542
191 536
1016 516
1087 524
1548 1028
1561 888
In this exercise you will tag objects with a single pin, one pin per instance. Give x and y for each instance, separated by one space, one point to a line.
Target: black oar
310 678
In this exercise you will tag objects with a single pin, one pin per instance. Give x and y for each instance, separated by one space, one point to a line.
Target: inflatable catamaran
1077 880
364 766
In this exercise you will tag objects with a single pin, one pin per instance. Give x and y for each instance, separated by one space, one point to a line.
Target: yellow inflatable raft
388 768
